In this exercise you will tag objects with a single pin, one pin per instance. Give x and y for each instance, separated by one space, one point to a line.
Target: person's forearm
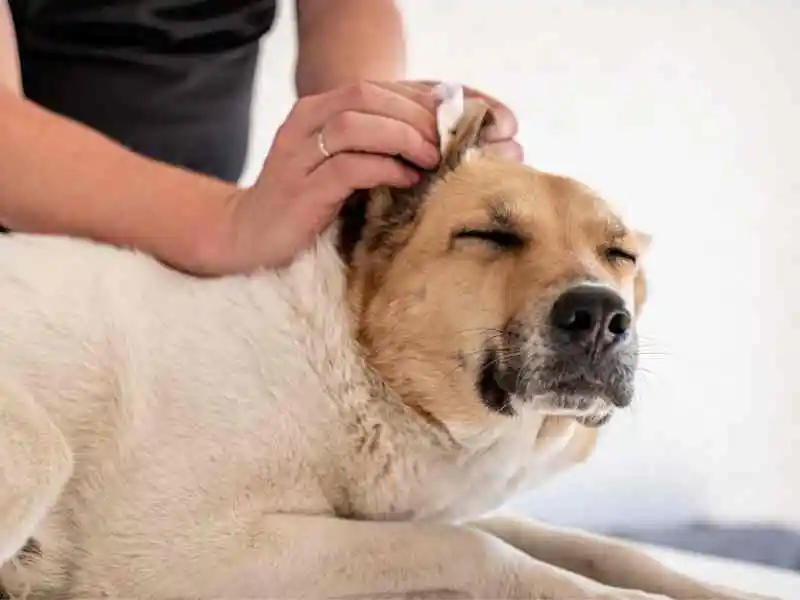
58 176
9 61
345 41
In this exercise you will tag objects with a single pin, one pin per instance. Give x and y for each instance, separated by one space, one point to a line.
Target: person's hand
329 146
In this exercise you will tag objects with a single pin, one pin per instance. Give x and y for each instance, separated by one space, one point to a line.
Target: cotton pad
451 107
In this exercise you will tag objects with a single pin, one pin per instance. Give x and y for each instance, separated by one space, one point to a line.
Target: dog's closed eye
500 238
617 255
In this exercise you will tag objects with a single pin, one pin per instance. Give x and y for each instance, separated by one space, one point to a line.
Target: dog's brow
500 214
615 229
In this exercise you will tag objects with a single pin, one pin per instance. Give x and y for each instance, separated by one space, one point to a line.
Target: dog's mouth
565 386
591 403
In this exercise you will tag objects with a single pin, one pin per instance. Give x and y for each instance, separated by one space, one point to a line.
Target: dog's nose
591 316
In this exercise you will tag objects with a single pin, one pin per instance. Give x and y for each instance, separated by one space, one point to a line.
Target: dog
341 427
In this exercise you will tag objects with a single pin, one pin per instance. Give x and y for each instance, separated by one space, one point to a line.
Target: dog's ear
643 241
639 291
379 220
463 137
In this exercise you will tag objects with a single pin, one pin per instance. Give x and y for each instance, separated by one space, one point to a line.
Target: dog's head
493 288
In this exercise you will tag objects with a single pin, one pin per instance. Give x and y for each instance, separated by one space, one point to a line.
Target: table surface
758 579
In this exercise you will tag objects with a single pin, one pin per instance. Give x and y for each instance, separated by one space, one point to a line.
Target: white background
686 116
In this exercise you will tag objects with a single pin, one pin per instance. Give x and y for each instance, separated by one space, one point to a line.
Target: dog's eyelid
505 238
619 253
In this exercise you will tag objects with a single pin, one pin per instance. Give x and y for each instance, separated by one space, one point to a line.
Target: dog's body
279 435
224 402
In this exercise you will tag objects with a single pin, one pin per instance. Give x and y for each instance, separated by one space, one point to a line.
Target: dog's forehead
502 190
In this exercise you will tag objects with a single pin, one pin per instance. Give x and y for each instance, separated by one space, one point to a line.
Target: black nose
591 316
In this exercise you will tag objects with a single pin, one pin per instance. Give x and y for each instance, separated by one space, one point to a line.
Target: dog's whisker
481 330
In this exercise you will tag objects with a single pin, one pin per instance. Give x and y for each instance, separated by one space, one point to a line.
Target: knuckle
284 132
341 124
359 94
297 117
410 137
299 109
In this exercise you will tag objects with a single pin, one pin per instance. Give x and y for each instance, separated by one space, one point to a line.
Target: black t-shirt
170 79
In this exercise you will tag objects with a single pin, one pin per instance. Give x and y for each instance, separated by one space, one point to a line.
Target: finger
421 94
510 150
335 179
360 132
386 100
504 126
329 186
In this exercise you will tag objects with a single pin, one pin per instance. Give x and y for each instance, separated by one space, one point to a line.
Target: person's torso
170 79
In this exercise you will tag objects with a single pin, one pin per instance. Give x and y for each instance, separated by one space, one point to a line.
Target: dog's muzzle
581 360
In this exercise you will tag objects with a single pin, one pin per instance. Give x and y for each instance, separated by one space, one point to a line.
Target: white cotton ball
449 111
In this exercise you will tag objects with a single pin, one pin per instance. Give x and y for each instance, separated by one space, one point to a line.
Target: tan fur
308 432
414 313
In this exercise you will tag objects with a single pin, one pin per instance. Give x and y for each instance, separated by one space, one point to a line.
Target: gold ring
321 144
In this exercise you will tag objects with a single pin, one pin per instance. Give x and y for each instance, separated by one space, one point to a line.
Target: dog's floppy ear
461 139
643 241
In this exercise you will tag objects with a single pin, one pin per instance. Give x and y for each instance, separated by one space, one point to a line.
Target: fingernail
431 155
412 177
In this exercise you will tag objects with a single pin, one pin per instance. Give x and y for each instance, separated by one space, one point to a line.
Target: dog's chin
588 409
595 420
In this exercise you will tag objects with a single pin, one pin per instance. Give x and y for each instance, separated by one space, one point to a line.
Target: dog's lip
584 387
575 386
596 419
593 404
594 399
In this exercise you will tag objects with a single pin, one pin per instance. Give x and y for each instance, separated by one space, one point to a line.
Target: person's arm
344 41
58 176
9 61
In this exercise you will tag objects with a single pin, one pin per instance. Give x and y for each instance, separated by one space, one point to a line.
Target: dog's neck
321 281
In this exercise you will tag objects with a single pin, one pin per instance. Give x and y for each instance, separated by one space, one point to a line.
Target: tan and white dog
334 428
